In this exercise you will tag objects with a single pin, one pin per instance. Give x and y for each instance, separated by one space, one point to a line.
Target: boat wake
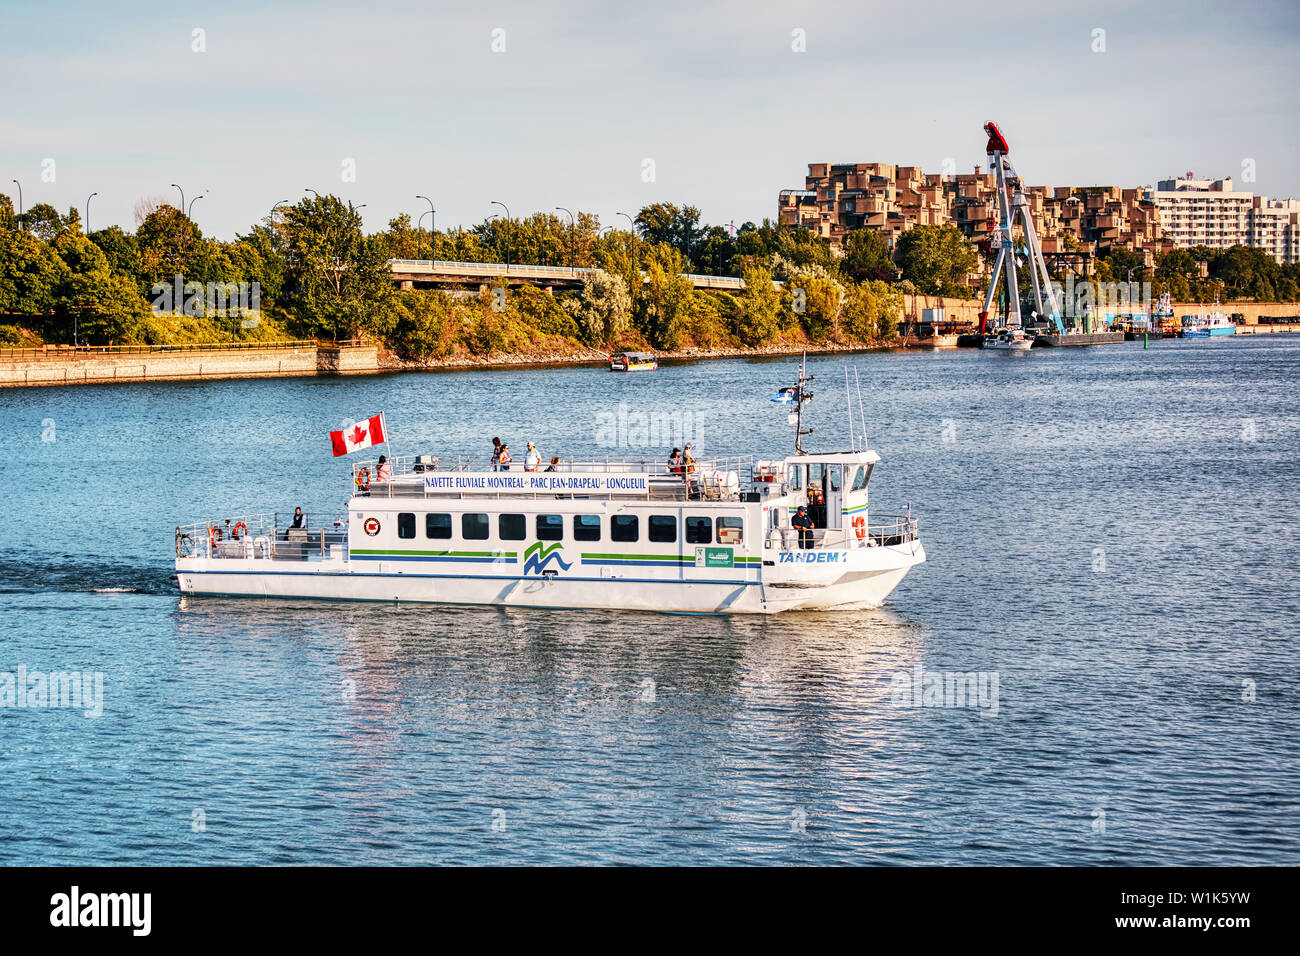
42 574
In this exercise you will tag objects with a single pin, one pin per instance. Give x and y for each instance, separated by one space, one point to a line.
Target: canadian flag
358 436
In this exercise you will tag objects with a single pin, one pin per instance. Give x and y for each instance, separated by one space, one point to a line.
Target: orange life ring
238 531
214 535
860 526
363 479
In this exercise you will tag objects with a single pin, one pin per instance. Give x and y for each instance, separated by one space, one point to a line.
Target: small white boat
1009 340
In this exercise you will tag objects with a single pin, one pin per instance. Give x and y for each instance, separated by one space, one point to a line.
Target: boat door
834 497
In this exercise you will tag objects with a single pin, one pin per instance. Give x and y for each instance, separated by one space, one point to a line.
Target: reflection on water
1112 535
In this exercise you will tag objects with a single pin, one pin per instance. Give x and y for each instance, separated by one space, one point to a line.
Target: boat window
512 527
796 477
474 527
405 525
550 527
860 479
437 526
835 477
731 530
586 527
663 528
699 530
623 528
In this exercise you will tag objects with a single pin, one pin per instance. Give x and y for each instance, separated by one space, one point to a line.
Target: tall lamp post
20 201
274 208
182 192
88 199
510 224
632 224
192 202
573 233
433 228
312 191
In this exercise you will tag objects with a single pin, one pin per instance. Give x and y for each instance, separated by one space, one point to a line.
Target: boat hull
861 578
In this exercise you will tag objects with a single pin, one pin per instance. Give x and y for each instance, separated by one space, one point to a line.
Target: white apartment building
1209 212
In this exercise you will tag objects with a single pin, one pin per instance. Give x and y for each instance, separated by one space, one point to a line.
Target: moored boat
1009 340
633 362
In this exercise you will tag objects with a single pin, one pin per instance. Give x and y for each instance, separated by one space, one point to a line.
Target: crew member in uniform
805 526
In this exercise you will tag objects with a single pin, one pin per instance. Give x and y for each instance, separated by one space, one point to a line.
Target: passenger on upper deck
675 462
503 458
496 454
299 519
384 471
533 459
555 461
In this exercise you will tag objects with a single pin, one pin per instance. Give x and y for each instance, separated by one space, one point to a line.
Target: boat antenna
862 412
848 404
801 395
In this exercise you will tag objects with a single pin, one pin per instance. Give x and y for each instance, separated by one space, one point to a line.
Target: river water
1112 532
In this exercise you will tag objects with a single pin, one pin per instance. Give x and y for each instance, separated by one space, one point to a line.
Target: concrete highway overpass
426 273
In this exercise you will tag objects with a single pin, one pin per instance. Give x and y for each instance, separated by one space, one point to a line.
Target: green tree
604 309
866 256
936 258
758 314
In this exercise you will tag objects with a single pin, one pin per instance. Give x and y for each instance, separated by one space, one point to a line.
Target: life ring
860 526
363 479
238 531
214 535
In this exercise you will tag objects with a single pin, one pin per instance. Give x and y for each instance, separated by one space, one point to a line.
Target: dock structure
423 273
1079 338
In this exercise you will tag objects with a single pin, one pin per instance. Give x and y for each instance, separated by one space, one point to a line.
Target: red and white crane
1045 305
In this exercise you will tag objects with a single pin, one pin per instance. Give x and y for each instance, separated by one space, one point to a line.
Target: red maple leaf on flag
358 435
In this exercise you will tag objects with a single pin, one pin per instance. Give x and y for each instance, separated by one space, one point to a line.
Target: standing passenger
503 458
496 454
532 460
805 526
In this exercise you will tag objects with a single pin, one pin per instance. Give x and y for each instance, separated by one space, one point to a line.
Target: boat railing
722 478
884 532
258 536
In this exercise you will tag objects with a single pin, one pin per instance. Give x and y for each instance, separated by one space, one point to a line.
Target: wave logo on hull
537 558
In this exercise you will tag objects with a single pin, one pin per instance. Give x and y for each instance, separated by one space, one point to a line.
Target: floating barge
1079 338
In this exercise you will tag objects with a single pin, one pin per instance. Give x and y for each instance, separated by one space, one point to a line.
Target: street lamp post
20 201
192 202
433 229
182 192
88 199
274 208
312 191
632 224
509 229
573 233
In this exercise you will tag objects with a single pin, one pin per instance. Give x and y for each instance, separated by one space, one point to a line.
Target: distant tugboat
633 362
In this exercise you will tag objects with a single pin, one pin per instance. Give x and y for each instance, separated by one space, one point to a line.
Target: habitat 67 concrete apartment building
1076 223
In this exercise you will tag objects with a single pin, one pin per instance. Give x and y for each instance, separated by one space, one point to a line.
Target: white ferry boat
718 537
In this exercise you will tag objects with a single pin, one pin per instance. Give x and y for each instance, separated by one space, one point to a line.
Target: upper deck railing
715 479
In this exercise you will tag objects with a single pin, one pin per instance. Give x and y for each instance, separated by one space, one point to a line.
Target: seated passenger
384 472
299 519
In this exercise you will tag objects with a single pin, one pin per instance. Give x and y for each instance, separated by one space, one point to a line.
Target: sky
606 108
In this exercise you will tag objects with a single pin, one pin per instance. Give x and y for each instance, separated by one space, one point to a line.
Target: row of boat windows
660 529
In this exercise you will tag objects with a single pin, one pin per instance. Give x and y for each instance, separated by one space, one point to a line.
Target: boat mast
801 395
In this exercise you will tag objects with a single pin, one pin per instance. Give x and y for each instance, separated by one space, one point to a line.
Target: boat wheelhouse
633 362
592 534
